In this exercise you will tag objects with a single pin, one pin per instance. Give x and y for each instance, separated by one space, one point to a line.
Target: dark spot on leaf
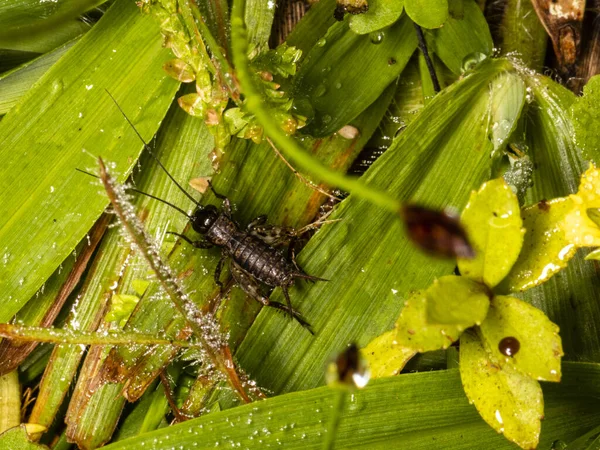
495 214
411 332
54 220
509 346
544 205
436 232
391 61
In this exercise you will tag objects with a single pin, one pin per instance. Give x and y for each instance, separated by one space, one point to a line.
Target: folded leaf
509 402
453 300
492 220
413 330
522 337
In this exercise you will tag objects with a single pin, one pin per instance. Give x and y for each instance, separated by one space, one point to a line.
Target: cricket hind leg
251 286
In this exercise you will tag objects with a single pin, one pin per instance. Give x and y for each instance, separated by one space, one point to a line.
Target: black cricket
253 252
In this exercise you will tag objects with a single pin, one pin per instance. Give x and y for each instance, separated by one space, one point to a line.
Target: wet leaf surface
492 219
413 409
511 403
539 349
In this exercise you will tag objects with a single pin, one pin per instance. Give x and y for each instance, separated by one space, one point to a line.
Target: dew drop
321 42
377 37
320 90
472 60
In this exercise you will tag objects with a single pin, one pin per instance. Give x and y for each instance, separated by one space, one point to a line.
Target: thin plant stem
428 61
339 402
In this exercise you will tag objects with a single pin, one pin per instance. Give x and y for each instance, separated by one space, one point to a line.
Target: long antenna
149 150
144 193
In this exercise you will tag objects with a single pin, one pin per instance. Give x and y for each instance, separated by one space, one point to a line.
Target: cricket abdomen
260 260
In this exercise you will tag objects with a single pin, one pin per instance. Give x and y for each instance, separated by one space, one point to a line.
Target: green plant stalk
10 401
205 330
62 336
286 144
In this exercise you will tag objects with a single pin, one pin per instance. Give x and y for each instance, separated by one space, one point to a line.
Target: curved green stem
287 145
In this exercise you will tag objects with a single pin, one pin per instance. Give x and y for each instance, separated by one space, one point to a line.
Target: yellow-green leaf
457 301
538 348
385 356
413 331
545 249
493 223
509 402
581 227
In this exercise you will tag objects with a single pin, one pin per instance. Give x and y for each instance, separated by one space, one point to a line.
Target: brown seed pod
438 233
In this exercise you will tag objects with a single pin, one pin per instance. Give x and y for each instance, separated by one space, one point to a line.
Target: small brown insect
436 232
509 346
350 6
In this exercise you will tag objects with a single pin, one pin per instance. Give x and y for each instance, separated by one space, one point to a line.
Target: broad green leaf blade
539 351
462 41
62 124
371 264
381 14
410 411
427 13
27 17
413 330
17 438
508 98
14 84
342 77
313 26
546 249
585 117
511 403
459 301
385 356
492 220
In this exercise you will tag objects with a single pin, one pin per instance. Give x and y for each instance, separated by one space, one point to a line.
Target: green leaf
17 438
385 356
414 331
427 13
509 402
55 128
453 300
410 410
540 347
586 118
462 42
381 13
347 73
492 220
